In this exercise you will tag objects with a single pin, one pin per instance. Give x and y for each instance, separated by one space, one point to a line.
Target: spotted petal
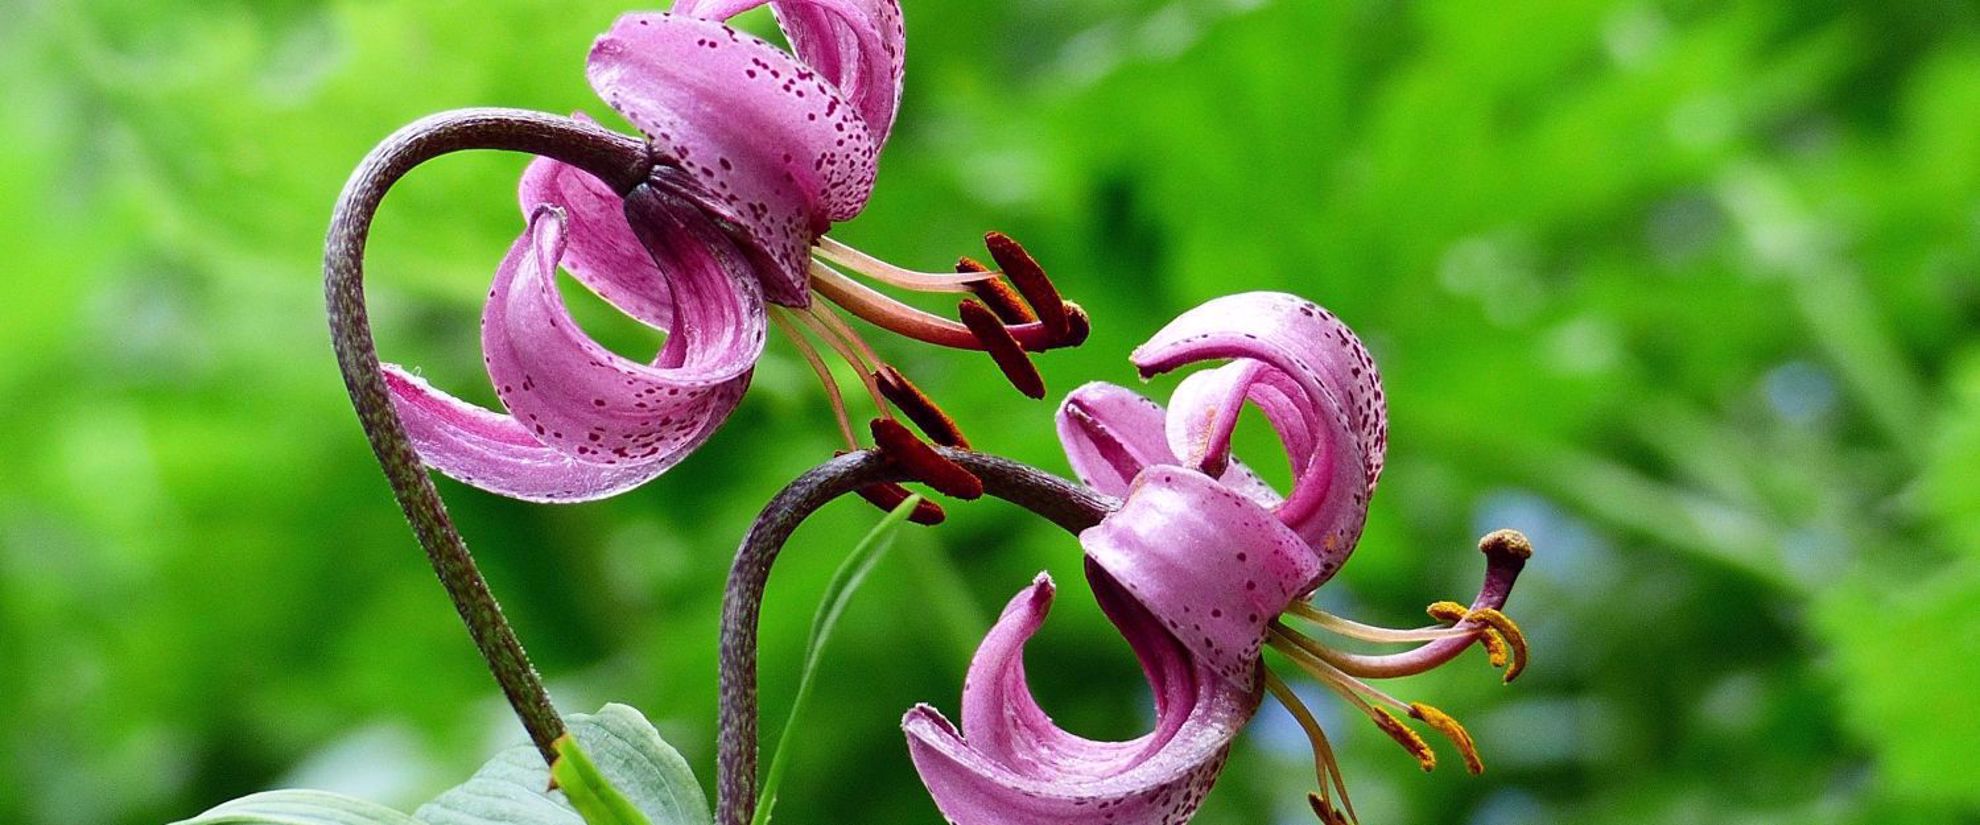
1010 765
767 143
1315 382
595 405
1208 561
588 423
860 45
494 452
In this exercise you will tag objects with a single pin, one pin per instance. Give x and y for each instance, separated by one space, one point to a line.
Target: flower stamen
1329 815
870 358
997 294
832 394
1442 723
1404 736
1030 281
1371 633
1004 349
919 408
922 462
1502 627
1308 654
889 314
852 356
1326 770
890 495
886 273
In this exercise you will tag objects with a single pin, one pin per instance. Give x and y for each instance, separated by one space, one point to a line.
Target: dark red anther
1329 815
1003 348
1080 325
919 408
890 495
1029 279
921 461
997 293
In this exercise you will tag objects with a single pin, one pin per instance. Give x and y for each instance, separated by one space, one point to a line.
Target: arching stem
619 161
1062 502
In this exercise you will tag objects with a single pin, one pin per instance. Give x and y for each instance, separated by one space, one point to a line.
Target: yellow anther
1405 737
1448 612
1329 815
1505 645
1495 647
1442 723
1515 641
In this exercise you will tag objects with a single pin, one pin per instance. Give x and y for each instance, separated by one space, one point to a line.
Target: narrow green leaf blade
838 593
299 808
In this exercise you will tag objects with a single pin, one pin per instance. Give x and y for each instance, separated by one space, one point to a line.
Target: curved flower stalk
710 228
1201 567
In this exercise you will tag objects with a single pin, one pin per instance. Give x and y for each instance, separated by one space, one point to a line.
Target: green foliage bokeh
1685 290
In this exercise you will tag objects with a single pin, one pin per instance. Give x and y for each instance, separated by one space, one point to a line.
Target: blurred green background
1685 290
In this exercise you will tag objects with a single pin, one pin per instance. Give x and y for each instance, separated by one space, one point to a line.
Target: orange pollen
1514 640
919 408
1442 723
1029 278
997 294
922 462
1409 739
1004 349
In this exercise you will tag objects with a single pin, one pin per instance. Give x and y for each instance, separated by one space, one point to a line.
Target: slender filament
852 358
810 354
1326 769
887 273
846 333
1370 633
889 314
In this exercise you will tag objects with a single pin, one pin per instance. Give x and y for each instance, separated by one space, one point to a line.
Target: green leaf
589 791
1903 654
300 808
628 752
624 774
838 593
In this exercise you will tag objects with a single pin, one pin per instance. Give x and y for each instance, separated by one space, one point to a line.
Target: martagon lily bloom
1201 567
754 153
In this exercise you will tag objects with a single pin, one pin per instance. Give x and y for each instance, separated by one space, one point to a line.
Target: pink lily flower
1200 568
755 153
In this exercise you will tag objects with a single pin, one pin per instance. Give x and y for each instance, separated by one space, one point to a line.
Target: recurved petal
1316 383
770 144
591 404
492 451
860 45
1110 433
1208 561
1010 765
1204 407
600 251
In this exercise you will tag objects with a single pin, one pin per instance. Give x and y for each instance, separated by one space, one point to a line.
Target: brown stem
619 161
1064 503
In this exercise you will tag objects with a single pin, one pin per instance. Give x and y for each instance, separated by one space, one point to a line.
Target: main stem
617 160
1064 503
